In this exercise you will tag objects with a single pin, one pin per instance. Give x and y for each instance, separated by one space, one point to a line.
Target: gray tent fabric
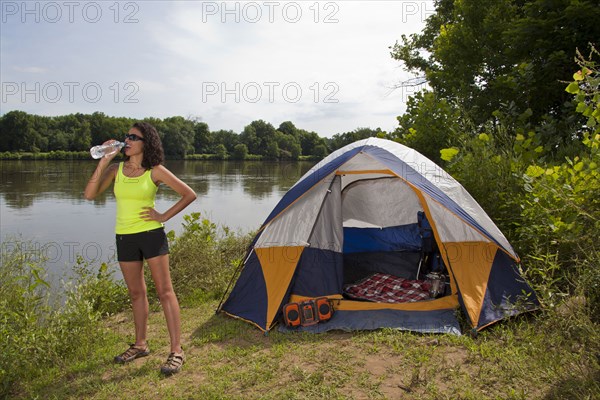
328 231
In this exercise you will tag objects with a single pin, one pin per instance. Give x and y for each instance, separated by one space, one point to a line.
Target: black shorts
142 245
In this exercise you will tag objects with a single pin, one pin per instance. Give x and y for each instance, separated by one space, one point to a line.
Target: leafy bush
485 166
561 208
204 257
549 208
105 295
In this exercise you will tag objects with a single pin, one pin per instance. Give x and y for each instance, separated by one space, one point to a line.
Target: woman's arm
160 174
102 177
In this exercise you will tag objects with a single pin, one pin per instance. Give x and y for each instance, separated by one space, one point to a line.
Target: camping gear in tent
367 227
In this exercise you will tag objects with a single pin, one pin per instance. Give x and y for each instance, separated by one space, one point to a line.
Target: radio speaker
324 309
291 314
307 313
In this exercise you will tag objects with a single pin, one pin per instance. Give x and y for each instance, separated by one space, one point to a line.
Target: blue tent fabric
319 272
394 238
505 295
437 321
248 300
425 232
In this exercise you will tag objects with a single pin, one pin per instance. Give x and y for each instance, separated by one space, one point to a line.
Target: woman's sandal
132 353
173 364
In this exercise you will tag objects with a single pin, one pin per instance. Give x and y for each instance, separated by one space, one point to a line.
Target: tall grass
40 331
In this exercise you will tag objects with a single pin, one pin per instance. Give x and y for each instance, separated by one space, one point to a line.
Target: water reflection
42 201
23 182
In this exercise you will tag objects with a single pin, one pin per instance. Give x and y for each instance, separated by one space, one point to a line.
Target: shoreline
85 155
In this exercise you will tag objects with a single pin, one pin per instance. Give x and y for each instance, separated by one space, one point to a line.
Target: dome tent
361 211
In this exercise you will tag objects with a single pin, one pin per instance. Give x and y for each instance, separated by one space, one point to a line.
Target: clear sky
324 65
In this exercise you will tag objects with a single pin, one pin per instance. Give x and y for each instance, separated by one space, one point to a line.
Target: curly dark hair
153 149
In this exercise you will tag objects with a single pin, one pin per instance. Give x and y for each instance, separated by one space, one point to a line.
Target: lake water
42 204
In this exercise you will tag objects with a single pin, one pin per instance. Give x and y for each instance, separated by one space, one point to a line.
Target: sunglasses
133 138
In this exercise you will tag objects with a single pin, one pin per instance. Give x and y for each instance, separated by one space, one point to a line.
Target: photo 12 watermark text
71 92
53 12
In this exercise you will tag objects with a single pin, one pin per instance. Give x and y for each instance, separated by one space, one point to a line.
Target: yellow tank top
132 195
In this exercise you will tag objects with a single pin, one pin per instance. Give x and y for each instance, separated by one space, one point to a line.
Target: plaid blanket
383 288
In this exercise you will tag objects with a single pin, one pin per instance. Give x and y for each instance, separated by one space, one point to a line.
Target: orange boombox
308 312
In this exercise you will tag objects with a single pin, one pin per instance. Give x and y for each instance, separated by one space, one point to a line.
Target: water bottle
106 149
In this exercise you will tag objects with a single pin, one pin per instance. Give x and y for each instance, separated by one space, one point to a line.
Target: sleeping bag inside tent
390 238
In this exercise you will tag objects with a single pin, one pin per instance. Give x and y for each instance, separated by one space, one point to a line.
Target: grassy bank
64 350
51 155
525 358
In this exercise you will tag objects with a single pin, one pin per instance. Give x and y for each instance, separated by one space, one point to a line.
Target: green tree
240 151
103 127
561 207
320 151
309 141
481 54
58 140
272 151
203 138
39 138
13 126
288 128
340 140
295 150
428 125
289 146
82 137
249 138
178 136
229 139
77 129
20 131
259 136
221 152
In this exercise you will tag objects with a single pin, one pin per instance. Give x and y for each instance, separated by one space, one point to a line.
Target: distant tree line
181 137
